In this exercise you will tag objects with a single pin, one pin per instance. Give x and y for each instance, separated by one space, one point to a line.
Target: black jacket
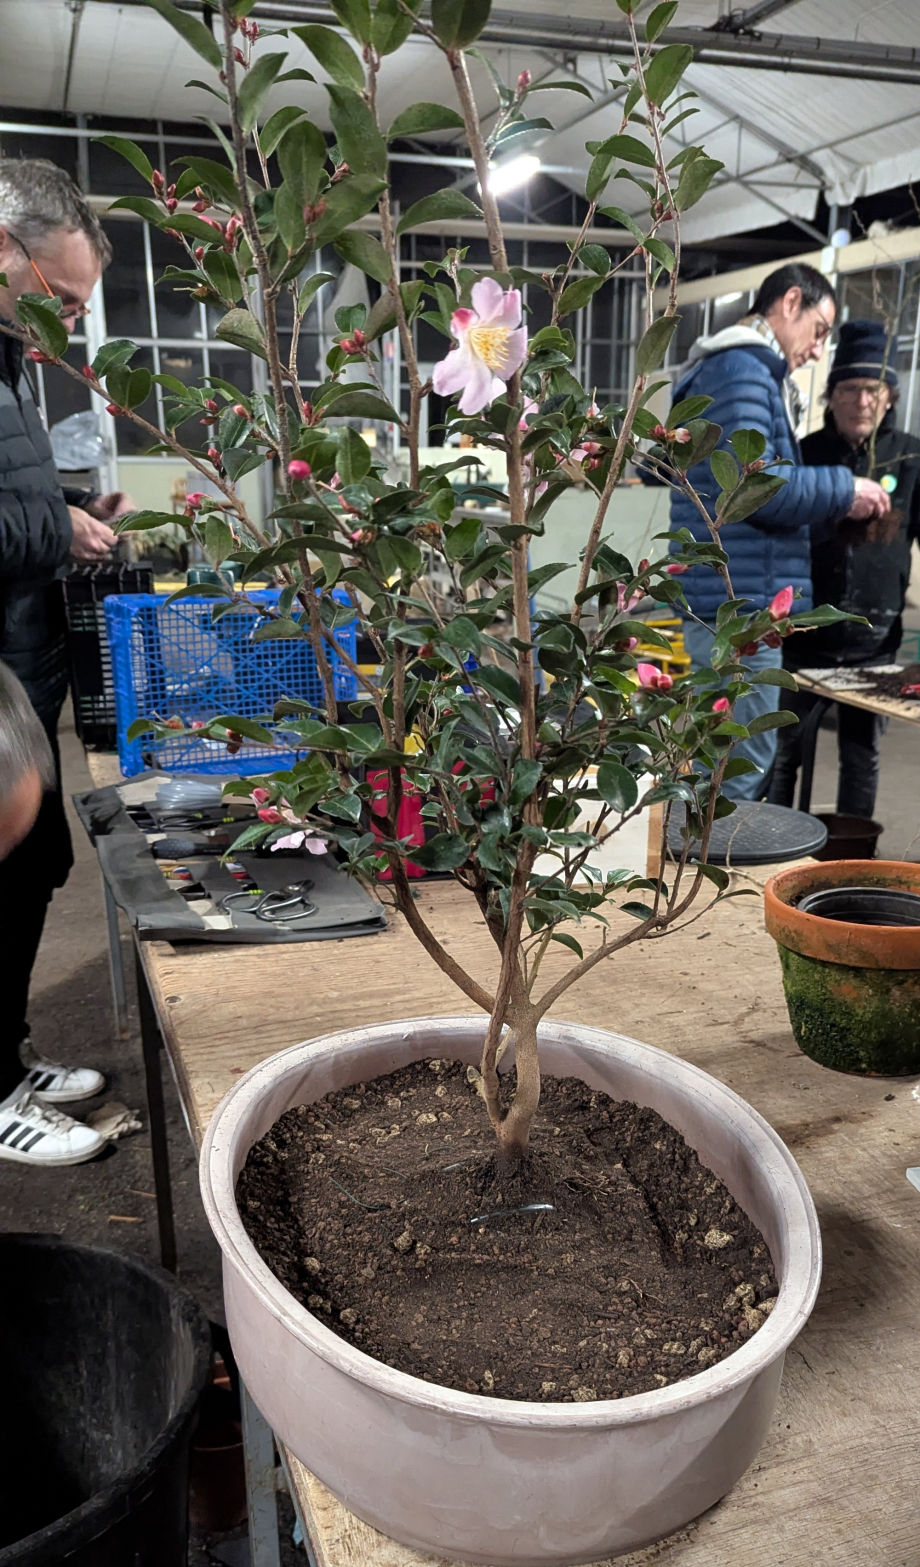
35 540
866 579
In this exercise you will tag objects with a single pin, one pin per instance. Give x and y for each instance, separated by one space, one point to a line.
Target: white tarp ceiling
783 137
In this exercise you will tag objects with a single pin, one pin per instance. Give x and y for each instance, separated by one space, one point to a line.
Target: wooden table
837 1479
817 681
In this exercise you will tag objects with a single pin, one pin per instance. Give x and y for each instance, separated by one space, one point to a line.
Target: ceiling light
517 171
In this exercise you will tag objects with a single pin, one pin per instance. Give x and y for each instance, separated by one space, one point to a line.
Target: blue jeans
759 749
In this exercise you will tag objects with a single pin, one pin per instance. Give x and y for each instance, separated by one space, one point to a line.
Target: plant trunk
513 1132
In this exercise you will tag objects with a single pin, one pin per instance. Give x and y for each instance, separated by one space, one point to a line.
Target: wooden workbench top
823 683
837 1479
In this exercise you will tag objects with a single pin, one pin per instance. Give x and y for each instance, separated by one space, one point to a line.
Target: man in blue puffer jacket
745 369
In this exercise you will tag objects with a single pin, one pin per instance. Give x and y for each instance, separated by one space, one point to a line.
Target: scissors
276 907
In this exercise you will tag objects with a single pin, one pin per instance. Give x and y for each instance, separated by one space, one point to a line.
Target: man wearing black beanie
861 567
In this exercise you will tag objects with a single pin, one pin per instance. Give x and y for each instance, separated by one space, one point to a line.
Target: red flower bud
202 205
721 705
749 649
308 412
243 412
652 678
88 372
199 252
158 182
773 639
114 410
642 566
211 405
358 337
234 743
348 345
171 190
682 436
676 569
524 81
195 500
239 57
40 358
781 604
213 454
298 469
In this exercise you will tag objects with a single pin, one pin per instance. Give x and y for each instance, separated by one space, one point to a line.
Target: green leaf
366 253
567 941
696 176
578 293
689 408
460 541
765 721
270 630
301 155
654 345
775 677
824 615
345 203
725 469
275 127
192 30
241 328
616 785
247 727
310 288
595 257
392 24
337 58
752 493
37 312
458 23
117 352
131 151
662 253
218 538
659 19
254 88
446 203
355 17
444 852
420 118
213 177
222 274
617 215
713 873
524 781
354 456
639 911
143 207
749 445
363 405
629 148
665 70
138 521
137 389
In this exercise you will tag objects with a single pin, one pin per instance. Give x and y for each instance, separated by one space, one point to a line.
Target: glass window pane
64 395
187 365
233 365
112 175
177 312
125 281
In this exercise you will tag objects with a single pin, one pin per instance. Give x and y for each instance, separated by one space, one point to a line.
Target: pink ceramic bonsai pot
492 1480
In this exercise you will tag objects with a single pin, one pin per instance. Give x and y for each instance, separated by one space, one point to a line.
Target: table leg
259 1460
116 966
152 1044
810 728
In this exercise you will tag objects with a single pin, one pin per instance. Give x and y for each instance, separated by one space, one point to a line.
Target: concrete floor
109 1202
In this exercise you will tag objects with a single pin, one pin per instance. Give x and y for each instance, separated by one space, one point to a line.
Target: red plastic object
409 822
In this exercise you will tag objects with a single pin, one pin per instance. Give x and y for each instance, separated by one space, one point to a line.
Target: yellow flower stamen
491 344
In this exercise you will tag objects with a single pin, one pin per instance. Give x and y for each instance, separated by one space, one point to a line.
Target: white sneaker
55 1084
33 1133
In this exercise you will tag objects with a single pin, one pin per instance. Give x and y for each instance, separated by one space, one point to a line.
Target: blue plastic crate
174 660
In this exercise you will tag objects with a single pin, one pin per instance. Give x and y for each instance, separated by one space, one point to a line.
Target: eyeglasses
822 332
855 392
68 307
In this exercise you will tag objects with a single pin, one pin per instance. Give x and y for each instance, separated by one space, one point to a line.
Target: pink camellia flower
196 500
781 605
676 569
301 840
270 814
682 435
627 603
721 705
298 469
259 796
652 678
492 345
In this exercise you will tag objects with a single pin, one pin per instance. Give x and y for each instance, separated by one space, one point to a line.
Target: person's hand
92 539
108 508
869 501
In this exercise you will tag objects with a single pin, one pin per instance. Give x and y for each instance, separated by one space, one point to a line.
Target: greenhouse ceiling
796 97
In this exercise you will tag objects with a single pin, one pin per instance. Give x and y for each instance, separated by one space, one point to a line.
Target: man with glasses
862 567
50 243
746 369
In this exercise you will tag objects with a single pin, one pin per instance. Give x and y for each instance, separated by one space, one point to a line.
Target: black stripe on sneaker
41 1080
9 1130
20 1136
27 1147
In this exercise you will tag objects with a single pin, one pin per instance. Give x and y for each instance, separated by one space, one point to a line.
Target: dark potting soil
892 685
612 1263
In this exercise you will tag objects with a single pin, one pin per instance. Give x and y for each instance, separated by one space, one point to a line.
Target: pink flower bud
158 182
682 436
114 410
652 678
199 252
642 566
721 705
524 81
239 57
782 603
271 814
243 412
171 191
171 204
259 796
348 345
196 500
211 405
88 372
39 357
676 569
202 205
299 469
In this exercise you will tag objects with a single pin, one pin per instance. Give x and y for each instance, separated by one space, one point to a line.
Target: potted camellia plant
500 723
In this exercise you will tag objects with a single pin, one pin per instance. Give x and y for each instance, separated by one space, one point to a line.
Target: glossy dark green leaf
753 492
749 445
38 313
765 721
444 852
617 785
242 328
192 29
665 70
458 23
392 23
658 19
337 58
724 469
344 204
276 125
654 344
355 17
422 118
301 155
132 152
567 941
577 294
254 88
447 203
696 176
364 405
366 253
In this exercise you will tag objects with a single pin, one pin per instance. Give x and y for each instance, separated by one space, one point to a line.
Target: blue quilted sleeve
746 396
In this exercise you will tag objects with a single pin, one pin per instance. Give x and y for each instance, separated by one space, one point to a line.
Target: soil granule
381 1209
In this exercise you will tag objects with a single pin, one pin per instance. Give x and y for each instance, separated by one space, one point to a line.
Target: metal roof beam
743 21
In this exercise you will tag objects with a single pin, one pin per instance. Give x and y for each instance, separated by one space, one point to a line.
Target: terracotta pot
493 1480
853 991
